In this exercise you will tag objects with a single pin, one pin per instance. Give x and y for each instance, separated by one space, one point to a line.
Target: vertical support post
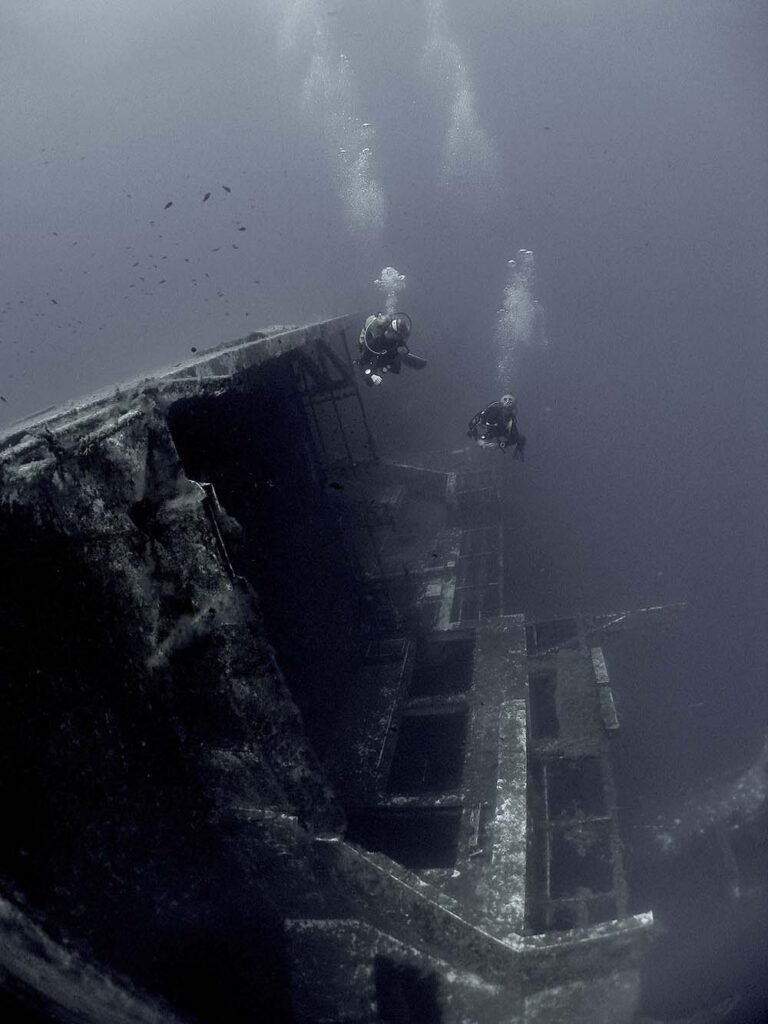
315 436
347 449
368 434
547 833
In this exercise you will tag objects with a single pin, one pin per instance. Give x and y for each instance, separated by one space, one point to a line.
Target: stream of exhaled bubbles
520 322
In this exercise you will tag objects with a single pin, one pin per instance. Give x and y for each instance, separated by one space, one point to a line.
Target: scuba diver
384 347
496 427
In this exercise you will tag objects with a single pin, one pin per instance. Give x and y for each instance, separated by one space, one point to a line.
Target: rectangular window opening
443 667
555 633
581 864
542 687
576 788
429 755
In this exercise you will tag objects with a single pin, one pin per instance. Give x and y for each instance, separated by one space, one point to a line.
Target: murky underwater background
177 175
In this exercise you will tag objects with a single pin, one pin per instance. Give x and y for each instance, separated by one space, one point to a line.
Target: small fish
235 246
54 302
206 197
216 249
3 399
135 264
162 281
193 348
168 205
226 188
241 229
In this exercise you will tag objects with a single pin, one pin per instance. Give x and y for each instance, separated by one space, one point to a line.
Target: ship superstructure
264 708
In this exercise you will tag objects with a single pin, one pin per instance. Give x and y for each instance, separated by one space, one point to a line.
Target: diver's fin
415 362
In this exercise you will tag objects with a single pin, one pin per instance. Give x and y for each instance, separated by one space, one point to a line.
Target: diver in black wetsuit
496 427
384 347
